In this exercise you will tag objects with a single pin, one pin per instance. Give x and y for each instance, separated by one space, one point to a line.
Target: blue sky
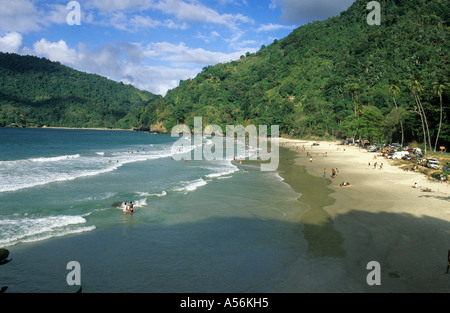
153 44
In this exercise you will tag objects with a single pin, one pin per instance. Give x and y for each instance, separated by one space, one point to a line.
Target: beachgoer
131 207
333 173
124 208
324 172
310 159
415 185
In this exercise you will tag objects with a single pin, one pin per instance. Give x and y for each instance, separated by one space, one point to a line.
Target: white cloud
273 27
56 14
18 16
197 12
208 38
24 17
118 12
132 63
56 51
135 23
11 42
305 11
156 79
119 5
181 55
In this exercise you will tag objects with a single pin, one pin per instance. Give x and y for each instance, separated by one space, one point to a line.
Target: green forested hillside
35 92
337 77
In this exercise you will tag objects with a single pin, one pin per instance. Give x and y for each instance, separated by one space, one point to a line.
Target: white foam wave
192 185
31 229
22 174
43 159
140 203
222 173
147 194
42 178
224 177
277 175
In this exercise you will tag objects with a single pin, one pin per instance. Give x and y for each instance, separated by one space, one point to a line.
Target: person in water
124 208
130 207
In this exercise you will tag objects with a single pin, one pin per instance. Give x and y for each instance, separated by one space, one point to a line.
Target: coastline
87 128
61 127
379 217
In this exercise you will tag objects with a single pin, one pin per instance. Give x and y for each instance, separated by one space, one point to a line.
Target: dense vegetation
339 77
35 92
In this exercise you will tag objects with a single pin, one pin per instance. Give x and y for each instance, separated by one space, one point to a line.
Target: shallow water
198 226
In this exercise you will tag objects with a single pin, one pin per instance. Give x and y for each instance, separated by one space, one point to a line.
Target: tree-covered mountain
35 92
339 77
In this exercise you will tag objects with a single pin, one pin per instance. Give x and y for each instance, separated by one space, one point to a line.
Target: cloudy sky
152 44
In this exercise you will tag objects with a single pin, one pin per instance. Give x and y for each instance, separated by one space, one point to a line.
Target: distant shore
88 128
380 217
62 127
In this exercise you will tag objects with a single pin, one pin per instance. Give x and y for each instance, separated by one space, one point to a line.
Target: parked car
400 155
433 163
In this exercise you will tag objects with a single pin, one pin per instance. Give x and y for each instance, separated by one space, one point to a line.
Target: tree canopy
332 77
339 77
36 92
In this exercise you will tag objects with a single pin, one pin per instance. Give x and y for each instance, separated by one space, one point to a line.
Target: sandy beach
379 217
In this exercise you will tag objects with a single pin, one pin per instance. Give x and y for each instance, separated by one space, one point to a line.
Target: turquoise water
198 226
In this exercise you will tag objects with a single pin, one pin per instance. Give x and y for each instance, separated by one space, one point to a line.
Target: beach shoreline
86 128
382 218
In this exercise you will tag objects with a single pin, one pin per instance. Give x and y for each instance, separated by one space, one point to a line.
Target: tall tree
416 87
438 88
395 91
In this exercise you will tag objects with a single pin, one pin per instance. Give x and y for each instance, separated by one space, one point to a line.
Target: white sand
382 218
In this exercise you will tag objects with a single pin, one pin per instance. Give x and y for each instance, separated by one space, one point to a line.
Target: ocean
198 226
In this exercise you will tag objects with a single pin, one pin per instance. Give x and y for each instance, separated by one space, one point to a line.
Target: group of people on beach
127 208
334 172
375 165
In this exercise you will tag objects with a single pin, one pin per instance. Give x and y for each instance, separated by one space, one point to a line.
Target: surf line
219 141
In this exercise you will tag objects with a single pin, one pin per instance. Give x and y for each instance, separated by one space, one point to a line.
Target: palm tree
438 88
416 87
395 90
